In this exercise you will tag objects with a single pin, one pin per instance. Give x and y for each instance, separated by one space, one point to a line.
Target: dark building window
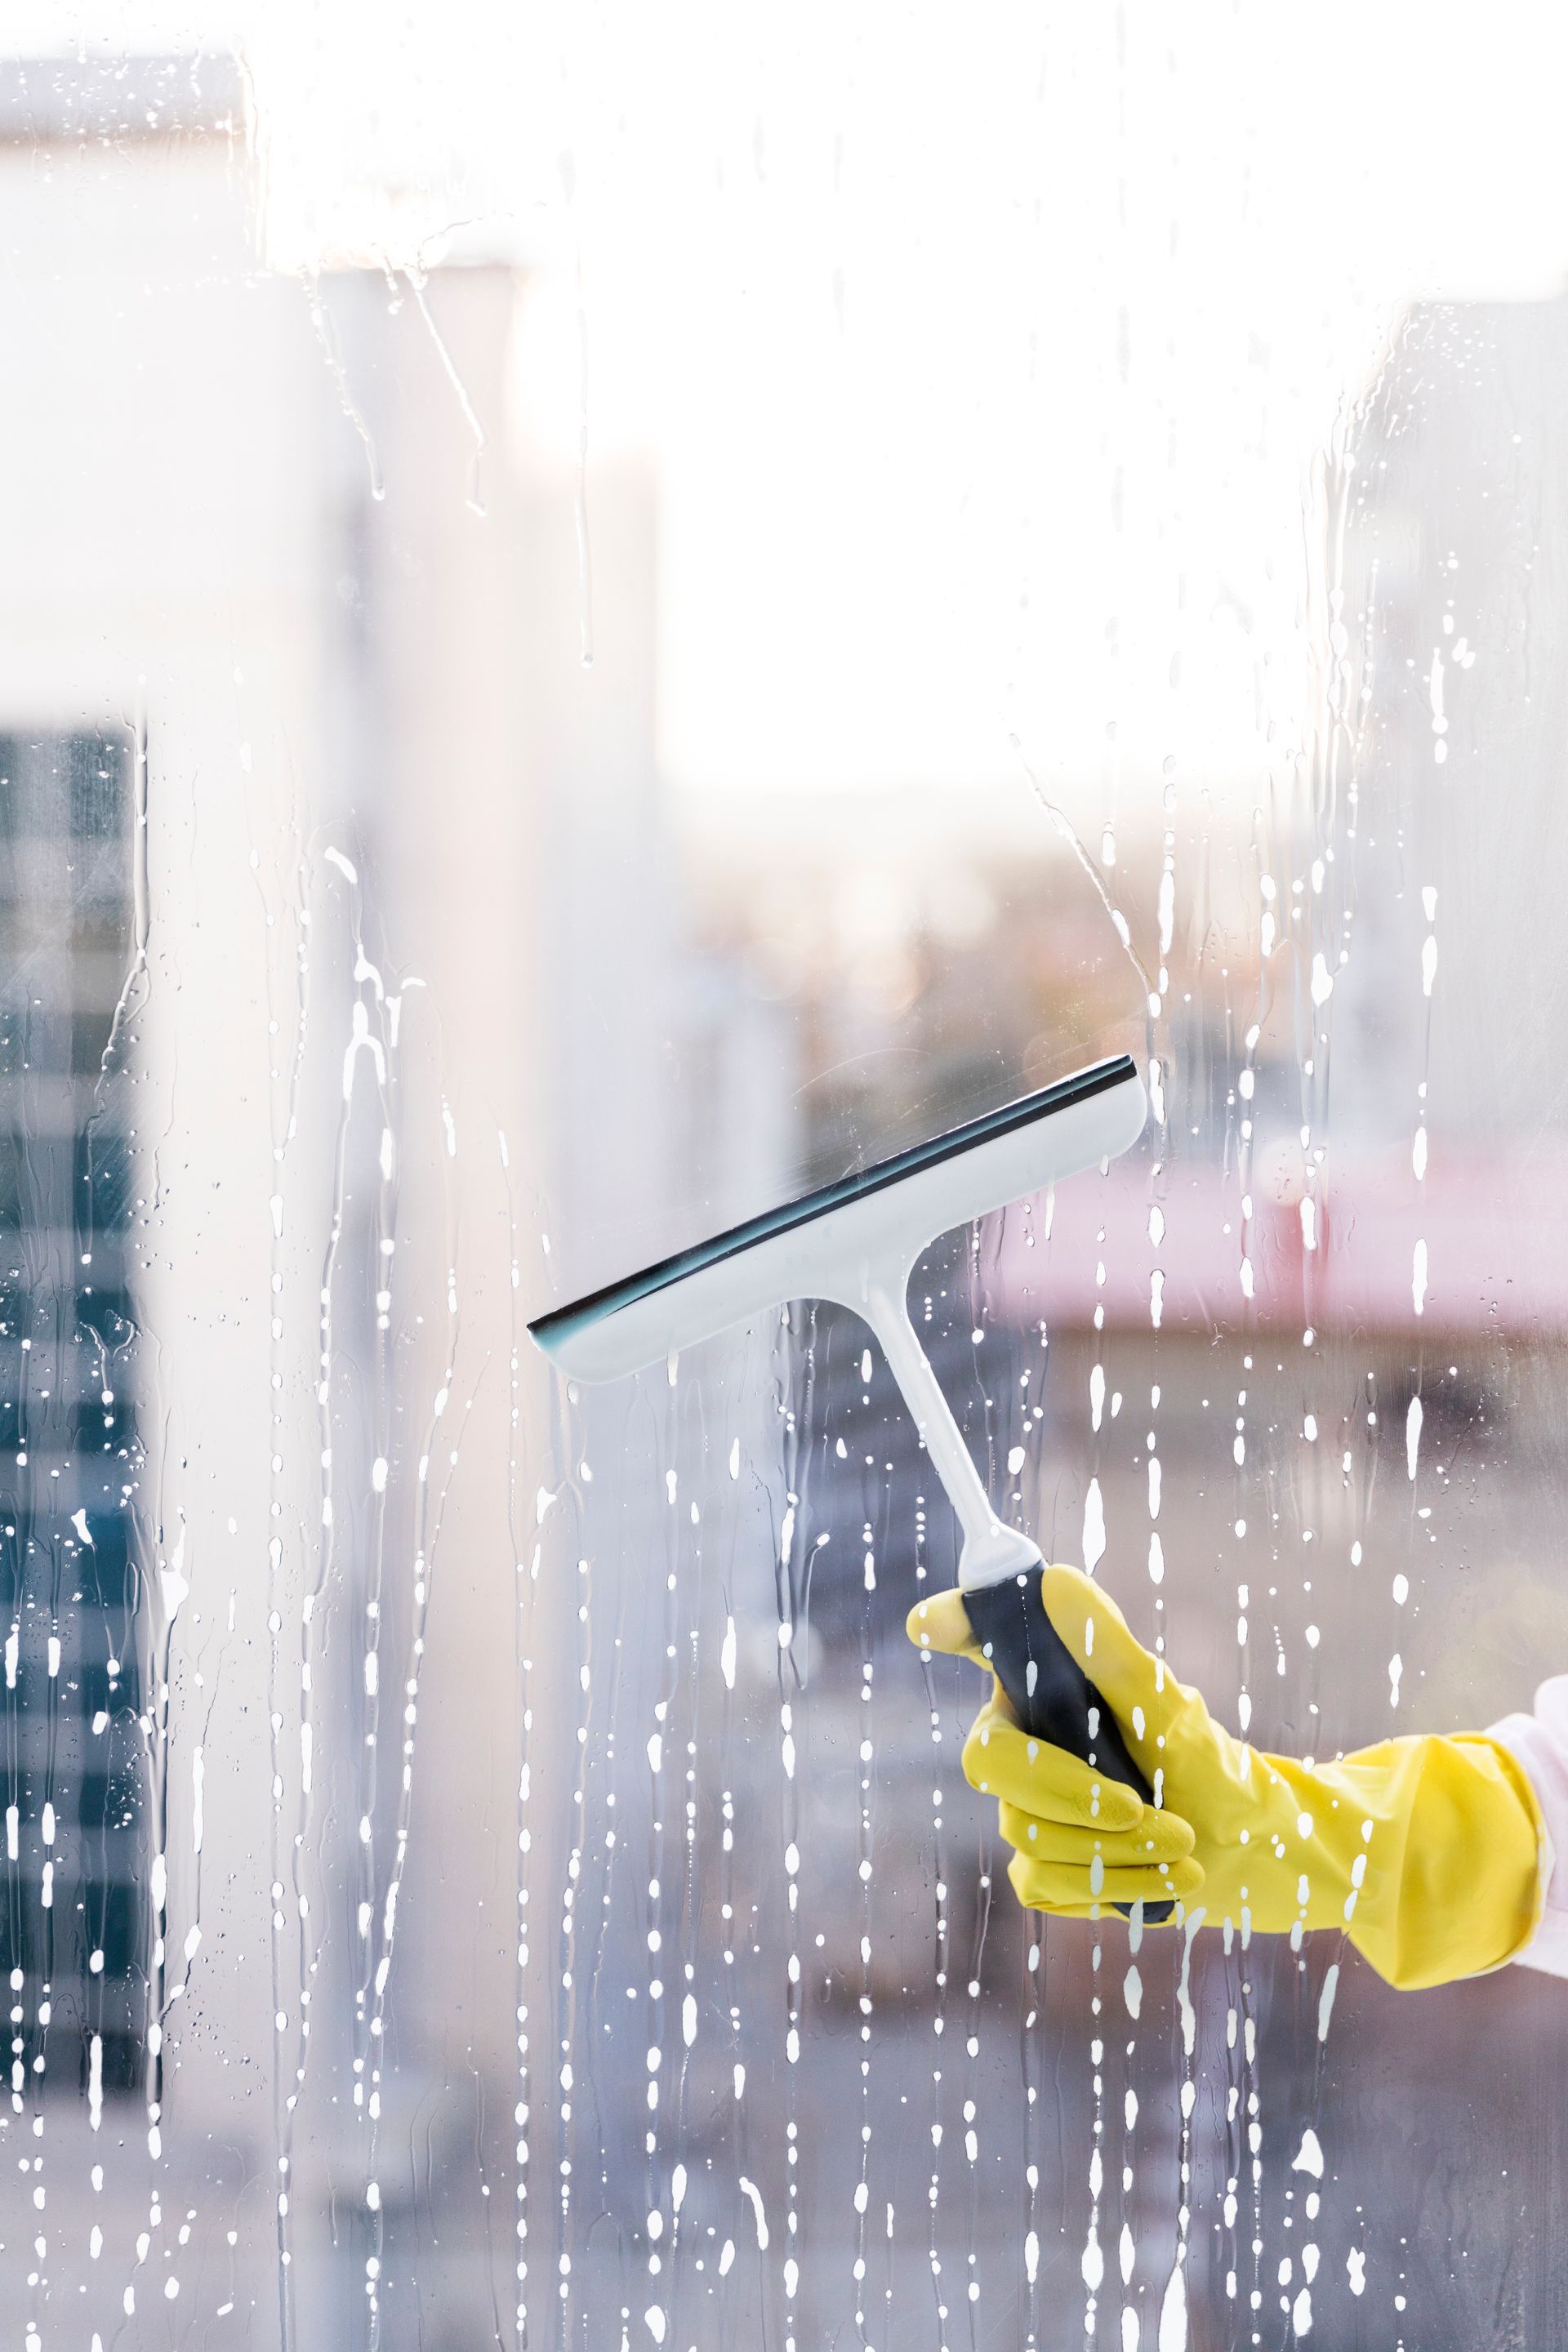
73 1913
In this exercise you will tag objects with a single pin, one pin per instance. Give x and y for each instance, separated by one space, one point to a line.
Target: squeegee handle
1051 1695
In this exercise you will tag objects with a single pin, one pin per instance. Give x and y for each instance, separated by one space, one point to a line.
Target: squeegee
855 1241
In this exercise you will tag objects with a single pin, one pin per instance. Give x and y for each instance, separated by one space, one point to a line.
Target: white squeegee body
856 1243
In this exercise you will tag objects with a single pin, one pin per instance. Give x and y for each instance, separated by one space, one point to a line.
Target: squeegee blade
871 1224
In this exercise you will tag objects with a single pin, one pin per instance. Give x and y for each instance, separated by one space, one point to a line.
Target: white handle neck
990 1552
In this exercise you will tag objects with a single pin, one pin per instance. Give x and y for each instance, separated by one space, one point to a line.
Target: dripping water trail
524 1591
327 338
416 283
427 1537
1063 824
283 1137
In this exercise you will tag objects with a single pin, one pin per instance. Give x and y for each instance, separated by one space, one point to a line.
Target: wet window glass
609 618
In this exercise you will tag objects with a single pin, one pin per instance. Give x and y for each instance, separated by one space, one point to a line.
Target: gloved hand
1426 1851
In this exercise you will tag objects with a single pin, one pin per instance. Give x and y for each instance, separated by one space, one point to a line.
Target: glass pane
610 617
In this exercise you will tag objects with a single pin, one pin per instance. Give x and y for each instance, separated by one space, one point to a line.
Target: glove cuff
1453 1884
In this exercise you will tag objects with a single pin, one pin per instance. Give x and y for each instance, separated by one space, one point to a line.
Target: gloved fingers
1140 1690
1068 1910
1158 1837
1000 1760
1080 1911
1088 1910
1061 1886
941 1623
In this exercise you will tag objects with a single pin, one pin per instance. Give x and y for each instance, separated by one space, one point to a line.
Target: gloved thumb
1139 1689
941 1623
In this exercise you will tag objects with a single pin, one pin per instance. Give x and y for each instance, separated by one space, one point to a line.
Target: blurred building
333 926
1454 578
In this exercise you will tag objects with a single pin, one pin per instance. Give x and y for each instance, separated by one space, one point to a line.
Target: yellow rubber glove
1427 1851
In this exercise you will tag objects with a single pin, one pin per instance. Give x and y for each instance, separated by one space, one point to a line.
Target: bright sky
984 371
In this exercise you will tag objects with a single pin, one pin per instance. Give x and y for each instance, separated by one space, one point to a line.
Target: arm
1432 1854
1538 1746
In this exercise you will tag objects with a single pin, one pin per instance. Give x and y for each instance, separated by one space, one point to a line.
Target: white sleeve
1538 1746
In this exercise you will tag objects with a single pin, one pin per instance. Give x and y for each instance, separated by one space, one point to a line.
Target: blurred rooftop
1487 1228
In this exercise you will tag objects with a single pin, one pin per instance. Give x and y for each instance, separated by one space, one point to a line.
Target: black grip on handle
1051 1695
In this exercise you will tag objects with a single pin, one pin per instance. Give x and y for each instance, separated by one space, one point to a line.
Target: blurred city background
601 623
